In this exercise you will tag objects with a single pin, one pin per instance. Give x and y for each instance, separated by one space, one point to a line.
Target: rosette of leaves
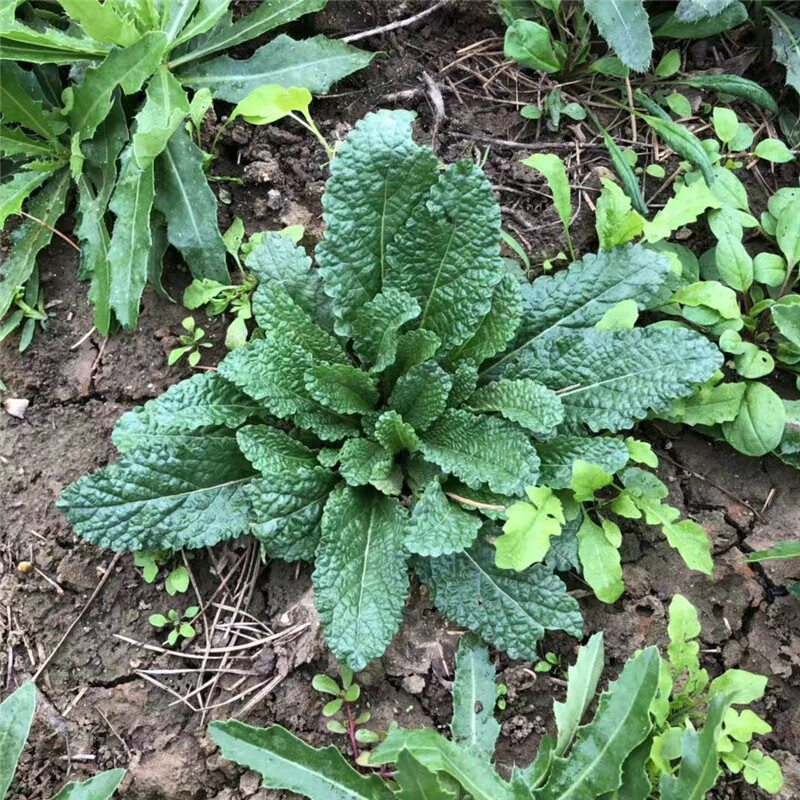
659 731
393 400
113 126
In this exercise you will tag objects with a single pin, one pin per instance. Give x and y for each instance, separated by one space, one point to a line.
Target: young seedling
549 663
180 626
151 561
191 342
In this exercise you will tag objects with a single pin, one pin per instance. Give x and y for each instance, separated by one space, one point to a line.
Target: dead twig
393 26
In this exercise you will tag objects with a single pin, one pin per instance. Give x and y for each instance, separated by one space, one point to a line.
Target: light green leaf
101 22
528 529
171 495
758 427
16 715
285 762
683 648
641 452
559 454
734 263
479 449
780 550
474 696
683 208
209 13
726 123
360 579
552 167
615 221
588 479
669 64
710 294
624 25
438 527
13 193
417 782
787 233
769 268
678 104
582 679
21 105
623 315
267 104
448 255
600 560
738 686
786 316
774 150
377 179
312 64
525 402
510 609
529 44
100 787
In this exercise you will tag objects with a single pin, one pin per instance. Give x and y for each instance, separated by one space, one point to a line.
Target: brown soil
98 712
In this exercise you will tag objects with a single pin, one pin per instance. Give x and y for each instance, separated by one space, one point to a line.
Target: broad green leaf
285 762
360 578
600 559
448 255
271 450
101 22
417 782
582 679
394 433
100 787
267 104
440 755
13 193
128 67
130 244
20 105
588 479
710 294
623 315
693 10
786 316
31 237
780 550
525 402
420 396
268 15
499 325
474 697
774 150
479 449
683 208
764 771
364 461
787 233
786 44
312 64
686 536
528 529
621 723
734 263
555 173
512 610
190 208
609 379
438 526
529 44
560 453
342 388
669 64
167 496
465 382
684 143
699 767
378 178
738 686
705 28
769 268
679 105
377 325
624 25
615 221
710 405
287 506
726 123
758 427
205 399
16 715
579 296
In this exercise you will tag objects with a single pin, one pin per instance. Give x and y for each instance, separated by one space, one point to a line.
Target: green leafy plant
180 625
151 561
16 716
115 128
27 309
642 738
422 386
191 344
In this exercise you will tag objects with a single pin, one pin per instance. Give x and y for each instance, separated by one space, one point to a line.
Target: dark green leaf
420 396
20 105
377 326
558 455
625 26
525 402
417 782
439 527
786 44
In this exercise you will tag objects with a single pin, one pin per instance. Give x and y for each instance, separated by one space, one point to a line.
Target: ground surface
101 707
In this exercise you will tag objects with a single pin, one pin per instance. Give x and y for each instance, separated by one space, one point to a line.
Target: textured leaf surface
100 787
622 721
360 579
285 762
438 526
363 461
170 495
273 451
185 199
394 433
287 511
440 755
579 296
558 455
417 782
420 396
625 26
474 697
377 325
342 387
204 399
448 255
523 401
511 610
479 449
16 715
312 64
618 376
528 529
378 178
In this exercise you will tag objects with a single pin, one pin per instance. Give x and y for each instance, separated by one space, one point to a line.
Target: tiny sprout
191 344
180 626
550 661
